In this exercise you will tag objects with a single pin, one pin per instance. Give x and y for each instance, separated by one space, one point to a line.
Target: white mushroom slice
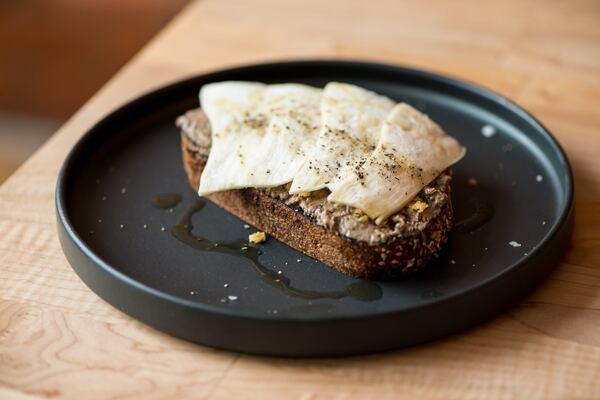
259 133
351 125
411 153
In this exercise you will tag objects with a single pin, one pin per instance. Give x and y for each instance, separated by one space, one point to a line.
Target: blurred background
55 54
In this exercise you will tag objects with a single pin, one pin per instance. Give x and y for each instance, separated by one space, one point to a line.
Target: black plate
523 194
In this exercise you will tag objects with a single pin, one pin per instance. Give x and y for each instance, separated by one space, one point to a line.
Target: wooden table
59 340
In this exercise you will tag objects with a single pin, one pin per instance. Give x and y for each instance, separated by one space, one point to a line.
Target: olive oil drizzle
482 213
166 201
183 231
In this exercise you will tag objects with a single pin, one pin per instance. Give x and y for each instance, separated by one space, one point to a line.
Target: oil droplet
166 201
482 213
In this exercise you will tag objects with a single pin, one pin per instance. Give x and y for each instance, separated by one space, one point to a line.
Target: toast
337 235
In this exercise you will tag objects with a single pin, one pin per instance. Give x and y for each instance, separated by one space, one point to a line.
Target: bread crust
388 260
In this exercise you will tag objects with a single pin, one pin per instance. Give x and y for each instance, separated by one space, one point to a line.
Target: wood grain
57 339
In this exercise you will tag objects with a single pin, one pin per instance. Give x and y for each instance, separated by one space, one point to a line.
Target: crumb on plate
257 237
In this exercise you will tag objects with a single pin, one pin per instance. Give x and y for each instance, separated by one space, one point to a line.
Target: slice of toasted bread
407 242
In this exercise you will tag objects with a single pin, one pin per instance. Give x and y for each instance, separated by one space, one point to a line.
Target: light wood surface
59 340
